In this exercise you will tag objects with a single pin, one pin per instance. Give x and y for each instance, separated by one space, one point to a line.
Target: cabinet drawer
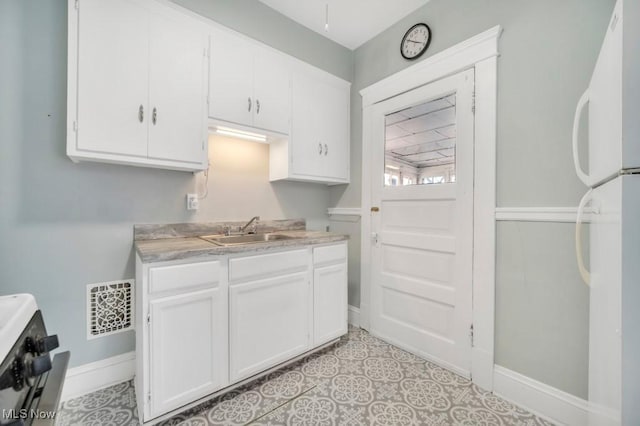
182 277
250 267
330 254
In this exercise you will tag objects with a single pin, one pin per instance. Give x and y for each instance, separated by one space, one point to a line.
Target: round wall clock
415 41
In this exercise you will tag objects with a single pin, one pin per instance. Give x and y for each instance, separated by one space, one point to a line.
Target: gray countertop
163 249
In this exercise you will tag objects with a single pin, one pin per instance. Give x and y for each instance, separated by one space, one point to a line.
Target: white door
177 91
269 323
329 303
188 348
113 77
231 78
423 232
272 91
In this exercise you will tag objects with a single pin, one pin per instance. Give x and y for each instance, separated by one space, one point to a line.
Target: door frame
481 53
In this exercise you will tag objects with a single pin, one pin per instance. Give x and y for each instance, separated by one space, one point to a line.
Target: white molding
449 61
540 214
479 52
542 400
354 316
90 377
346 211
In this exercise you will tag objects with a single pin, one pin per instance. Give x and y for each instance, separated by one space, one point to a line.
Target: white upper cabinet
136 85
177 84
318 147
248 84
112 68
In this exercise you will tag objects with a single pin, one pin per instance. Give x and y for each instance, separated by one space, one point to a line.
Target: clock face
415 41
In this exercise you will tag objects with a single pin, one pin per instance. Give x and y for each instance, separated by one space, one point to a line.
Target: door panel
330 303
188 348
231 79
177 83
112 77
269 323
305 127
334 104
272 91
422 254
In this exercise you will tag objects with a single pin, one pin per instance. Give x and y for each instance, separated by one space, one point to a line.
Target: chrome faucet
254 220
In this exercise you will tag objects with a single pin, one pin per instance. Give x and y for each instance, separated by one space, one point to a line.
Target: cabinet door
269 323
333 106
178 90
231 79
272 91
188 341
329 303
306 126
112 87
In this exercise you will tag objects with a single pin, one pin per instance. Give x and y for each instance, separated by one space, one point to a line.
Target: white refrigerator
614 239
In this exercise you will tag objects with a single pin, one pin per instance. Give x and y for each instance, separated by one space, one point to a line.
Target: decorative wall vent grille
109 308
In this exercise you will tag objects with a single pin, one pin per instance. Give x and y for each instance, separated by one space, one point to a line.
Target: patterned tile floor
358 381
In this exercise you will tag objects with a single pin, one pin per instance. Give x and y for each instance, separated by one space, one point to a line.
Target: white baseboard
354 316
543 400
90 377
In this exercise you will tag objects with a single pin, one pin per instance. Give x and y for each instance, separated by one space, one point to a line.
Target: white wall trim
346 211
540 214
354 316
543 400
90 377
481 53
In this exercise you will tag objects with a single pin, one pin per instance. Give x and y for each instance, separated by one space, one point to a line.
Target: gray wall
547 54
65 225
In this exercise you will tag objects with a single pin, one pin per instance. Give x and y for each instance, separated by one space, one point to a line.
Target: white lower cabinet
269 323
204 326
188 341
329 303
330 309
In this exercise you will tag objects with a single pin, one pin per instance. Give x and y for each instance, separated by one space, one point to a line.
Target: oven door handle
50 397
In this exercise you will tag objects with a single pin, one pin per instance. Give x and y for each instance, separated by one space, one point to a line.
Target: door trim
481 53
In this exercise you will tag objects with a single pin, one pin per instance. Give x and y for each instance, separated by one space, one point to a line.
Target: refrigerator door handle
584 273
584 100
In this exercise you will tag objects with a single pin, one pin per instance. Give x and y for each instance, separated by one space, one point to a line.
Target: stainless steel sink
230 240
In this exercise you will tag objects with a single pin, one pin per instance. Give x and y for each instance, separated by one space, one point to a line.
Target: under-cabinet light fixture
227 131
392 167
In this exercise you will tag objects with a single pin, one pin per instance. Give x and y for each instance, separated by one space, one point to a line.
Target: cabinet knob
154 116
249 104
141 114
257 106
320 148
326 149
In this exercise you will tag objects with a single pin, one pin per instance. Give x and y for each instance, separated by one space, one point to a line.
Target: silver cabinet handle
249 101
154 116
257 106
326 149
141 114
320 148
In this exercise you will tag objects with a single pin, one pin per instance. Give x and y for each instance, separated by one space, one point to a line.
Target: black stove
30 382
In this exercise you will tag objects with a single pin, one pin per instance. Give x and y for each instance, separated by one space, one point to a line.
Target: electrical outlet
192 202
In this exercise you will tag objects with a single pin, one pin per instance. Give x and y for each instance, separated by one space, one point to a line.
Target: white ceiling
351 22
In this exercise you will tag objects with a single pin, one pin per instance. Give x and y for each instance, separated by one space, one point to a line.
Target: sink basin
230 240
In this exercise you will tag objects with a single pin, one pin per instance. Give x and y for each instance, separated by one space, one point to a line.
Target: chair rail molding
540 214
344 211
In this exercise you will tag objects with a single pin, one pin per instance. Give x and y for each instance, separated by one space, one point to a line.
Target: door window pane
420 144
